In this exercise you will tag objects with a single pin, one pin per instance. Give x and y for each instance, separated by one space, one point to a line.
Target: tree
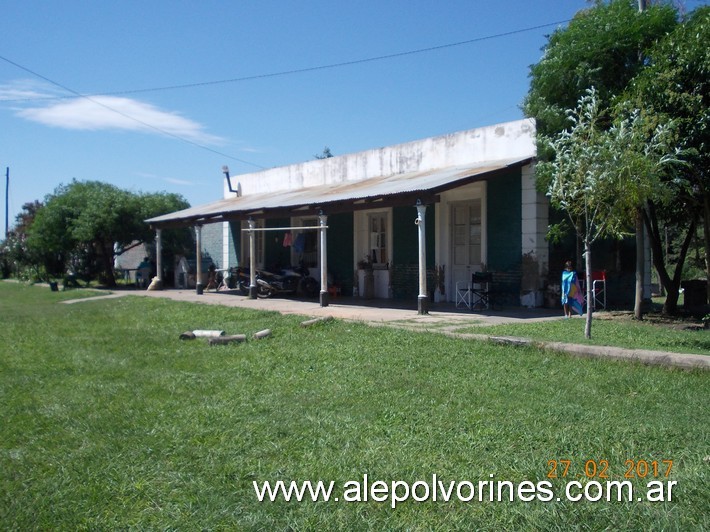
603 47
15 256
676 84
327 154
177 241
598 175
83 225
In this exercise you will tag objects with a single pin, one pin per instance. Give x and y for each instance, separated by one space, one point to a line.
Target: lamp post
423 298
198 266
322 220
252 260
159 258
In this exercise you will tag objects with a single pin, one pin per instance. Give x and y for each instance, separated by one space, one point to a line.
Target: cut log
188 335
230 339
308 323
207 333
262 334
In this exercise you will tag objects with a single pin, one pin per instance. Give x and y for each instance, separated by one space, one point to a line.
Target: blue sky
177 139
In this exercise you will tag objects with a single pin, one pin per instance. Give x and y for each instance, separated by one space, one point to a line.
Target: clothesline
286 228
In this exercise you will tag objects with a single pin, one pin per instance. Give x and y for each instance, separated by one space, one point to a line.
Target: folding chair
481 290
599 289
463 294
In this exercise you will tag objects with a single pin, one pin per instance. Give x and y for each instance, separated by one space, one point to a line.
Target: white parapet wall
486 144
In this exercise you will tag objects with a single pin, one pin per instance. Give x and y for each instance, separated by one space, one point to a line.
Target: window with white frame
378 251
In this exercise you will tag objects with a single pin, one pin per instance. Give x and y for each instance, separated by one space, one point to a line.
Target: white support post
423 298
159 258
198 254
322 220
252 260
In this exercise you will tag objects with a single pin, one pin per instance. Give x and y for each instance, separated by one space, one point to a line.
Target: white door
466 240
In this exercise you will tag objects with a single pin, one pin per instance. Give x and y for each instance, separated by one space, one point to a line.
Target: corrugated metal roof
322 195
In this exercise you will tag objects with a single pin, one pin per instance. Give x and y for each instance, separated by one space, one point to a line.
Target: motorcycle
295 281
241 279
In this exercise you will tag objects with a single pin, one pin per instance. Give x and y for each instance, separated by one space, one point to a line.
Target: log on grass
314 321
230 339
188 335
262 334
207 333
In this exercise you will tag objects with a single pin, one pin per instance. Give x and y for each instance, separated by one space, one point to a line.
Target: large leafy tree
16 257
83 225
676 84
603 47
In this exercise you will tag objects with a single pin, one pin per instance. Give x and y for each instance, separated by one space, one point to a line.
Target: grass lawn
108 421
607 329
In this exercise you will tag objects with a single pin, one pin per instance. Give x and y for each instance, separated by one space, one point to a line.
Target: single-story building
418 217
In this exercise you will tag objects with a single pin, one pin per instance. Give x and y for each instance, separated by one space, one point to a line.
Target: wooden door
465 240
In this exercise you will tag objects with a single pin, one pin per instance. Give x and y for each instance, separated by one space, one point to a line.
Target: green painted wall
276 256
504 197
340 250
405 254
406 237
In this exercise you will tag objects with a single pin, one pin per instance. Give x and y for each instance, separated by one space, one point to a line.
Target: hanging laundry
288 239
299 244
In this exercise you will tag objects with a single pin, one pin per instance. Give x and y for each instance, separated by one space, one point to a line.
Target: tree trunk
579 247
706 234
671 285
590 290
640 265
107 262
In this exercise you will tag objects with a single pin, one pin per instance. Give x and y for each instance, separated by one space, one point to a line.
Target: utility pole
7 201
640 239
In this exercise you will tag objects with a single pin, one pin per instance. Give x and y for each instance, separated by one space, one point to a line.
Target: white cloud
171 180
174 181
117 113
26 89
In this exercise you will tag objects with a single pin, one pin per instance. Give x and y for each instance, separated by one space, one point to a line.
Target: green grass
109 421
609 332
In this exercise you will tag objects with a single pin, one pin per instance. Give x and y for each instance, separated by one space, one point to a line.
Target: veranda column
322 219
159 258
198 254
423 298
252 260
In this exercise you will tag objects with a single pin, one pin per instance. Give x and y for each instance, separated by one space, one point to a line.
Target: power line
91 98
298 70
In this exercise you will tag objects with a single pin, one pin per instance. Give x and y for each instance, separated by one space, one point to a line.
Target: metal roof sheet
377 187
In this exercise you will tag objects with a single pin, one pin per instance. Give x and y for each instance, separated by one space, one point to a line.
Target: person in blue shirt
572 299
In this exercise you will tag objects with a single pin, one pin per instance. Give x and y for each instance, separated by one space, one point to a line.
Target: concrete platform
371 311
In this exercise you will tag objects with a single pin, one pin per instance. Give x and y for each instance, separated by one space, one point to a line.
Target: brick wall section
505 289
404 279
212 243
